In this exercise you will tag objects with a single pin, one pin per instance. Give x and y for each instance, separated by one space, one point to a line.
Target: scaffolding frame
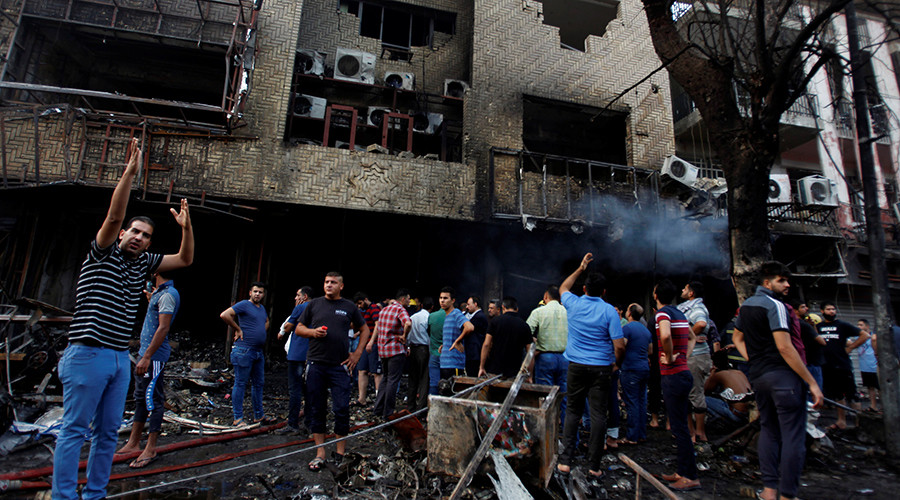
240 55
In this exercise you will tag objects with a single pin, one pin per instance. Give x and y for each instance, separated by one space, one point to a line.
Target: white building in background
815 204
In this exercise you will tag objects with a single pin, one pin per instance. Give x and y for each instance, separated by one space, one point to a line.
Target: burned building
417 143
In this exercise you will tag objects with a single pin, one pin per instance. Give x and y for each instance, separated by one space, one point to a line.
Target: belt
551 352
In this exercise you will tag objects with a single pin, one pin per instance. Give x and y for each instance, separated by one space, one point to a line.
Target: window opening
399 25
572 130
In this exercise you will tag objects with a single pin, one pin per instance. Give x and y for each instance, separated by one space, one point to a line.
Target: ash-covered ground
381 465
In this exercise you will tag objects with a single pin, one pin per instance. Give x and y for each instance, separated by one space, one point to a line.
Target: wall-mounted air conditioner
680 170
308 106
426 123
779 188
817 190
310 62
398 80
455 88
354 66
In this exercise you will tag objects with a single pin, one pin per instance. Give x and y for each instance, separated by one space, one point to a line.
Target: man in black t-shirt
508 338
475 339
326 322
837 370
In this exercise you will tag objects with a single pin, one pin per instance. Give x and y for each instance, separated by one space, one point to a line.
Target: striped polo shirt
681 334
108 294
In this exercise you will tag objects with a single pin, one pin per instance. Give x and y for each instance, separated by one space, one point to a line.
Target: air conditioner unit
308 106
817 190
397 80
455 88
354 66
375 115
680 170
310 62
779 188
426 123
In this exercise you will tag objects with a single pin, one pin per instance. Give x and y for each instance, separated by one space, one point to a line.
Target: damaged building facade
816 204
416 143
421 143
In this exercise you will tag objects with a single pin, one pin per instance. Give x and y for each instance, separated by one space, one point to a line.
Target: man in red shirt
390 332
676 340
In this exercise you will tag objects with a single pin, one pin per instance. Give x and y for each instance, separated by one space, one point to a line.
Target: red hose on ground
46 471
173 468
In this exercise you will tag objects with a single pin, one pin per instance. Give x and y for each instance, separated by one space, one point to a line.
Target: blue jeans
434 374
248 362
816 372
297 391
676 391
716 409
634 392
320 377
781 399
95 384
551 368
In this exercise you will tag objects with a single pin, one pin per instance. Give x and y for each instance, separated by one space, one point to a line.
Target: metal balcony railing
795 213
564 190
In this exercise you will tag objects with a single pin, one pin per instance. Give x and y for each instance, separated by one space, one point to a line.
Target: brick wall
514 53
503 50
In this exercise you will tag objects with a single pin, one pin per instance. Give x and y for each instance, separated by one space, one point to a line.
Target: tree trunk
750 156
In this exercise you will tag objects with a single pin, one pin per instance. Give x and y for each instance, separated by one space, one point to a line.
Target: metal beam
33 87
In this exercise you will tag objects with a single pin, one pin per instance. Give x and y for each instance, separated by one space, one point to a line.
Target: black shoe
336 458
288 430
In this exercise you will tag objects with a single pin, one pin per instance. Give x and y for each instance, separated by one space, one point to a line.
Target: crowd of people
774 352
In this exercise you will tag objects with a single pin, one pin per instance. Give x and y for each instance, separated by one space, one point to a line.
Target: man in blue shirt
595 343
297 347
634 372
249 321
453 357
149 395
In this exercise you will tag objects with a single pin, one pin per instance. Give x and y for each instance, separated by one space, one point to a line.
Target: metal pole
888 364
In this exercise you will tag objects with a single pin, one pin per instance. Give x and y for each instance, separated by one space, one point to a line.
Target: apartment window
399 25
569 129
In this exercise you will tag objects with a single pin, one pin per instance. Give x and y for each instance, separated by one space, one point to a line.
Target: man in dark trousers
675 338
837 372
95 370
326 322
508 339
777 374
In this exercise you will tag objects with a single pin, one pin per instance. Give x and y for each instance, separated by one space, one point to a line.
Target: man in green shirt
549 326
435 340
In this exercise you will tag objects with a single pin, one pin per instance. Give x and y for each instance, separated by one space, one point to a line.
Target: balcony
793 218
798 123
574 192
857 232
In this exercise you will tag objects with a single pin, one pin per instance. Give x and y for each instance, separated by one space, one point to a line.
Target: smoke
661 237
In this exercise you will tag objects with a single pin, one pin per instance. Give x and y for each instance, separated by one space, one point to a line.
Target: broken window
572 130
399 25
576 19
143 60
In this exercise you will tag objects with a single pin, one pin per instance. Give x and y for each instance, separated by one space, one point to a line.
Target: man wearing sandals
149 395
777 374
95 370
249 320
326 322
595 343
676 339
